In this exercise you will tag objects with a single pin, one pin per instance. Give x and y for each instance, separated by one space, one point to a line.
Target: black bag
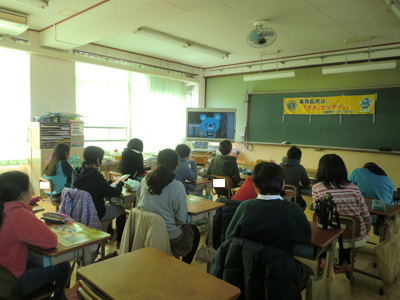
9 286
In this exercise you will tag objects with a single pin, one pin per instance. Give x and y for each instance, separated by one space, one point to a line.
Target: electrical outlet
242 134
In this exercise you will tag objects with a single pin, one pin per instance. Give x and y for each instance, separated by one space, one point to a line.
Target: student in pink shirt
19 227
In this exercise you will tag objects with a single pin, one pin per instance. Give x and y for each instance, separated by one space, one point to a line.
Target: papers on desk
74 234
190 199
122 178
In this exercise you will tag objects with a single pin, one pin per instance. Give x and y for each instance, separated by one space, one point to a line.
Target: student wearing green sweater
268 219
224 165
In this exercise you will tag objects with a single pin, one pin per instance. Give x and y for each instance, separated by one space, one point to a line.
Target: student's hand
189 158
120 184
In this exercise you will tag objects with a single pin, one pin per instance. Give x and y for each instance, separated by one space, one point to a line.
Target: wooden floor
364 287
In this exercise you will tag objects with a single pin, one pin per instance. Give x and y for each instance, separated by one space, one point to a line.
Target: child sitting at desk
295 173
160 193
224 165
332 178
19 227
373 183
183 172
58 170
132 159
89 179
269 219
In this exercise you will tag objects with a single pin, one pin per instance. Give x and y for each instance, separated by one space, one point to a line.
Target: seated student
132 159
224 165
89 179
373 183
295 172
183 172
58 170
19 227
160 193
269 220
332 178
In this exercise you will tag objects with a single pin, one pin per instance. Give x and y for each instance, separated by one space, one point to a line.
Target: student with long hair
58 170
160 193
88 178
132 159
332 178
373 182
19 227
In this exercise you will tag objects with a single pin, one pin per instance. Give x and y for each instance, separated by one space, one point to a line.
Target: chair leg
103 249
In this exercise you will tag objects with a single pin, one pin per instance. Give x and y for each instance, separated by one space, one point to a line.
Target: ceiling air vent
12 23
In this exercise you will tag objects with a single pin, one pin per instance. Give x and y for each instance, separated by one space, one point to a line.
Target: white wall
52 85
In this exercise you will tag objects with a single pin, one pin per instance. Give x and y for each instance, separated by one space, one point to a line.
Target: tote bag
388 254
330 286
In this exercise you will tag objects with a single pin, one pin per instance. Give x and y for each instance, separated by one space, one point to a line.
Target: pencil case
57 218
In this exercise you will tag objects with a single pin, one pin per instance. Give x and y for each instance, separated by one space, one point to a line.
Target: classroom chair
85 293
113 175
228 186
145 229
291 188
48 186
352 227
201 160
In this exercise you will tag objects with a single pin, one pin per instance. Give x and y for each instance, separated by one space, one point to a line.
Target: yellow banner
336 105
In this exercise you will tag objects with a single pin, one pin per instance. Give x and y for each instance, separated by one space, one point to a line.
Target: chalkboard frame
365 90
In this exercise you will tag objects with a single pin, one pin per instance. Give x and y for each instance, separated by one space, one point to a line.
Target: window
15 102
119 105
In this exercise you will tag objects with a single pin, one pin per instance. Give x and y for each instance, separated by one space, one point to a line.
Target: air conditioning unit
12 23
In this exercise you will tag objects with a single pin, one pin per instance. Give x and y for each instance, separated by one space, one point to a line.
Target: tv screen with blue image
206 124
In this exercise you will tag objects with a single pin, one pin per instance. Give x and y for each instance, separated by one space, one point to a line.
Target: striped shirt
350 202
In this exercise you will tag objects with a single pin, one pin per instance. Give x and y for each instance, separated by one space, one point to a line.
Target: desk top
203 206
250 164
150 274
60 249
289 194
107 167
323 237
200 180
390 209
36 208
126 193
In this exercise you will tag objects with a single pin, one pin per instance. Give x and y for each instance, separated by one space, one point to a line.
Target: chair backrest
85 293
228 184
201 160
113 175
47 185
145 229
291 188
350 224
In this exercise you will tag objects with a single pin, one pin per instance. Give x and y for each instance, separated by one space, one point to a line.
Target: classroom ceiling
302 26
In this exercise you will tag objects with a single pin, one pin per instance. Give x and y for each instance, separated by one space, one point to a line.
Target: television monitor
200 146
210 124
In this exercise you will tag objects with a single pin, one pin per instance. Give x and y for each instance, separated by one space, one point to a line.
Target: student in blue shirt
58 170
373 182
183 172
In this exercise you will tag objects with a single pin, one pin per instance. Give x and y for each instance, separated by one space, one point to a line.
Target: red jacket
246 191
21 227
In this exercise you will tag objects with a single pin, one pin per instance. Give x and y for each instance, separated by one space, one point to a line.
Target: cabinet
44 137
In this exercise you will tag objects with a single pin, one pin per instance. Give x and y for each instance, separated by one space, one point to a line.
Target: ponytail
167 161
12 185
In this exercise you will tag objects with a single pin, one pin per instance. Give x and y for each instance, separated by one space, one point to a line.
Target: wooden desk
311 173
36 208
59 254
150 274
322 240
200 184
105 169
124 198
246 164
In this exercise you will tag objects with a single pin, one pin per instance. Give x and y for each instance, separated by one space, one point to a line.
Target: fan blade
253 36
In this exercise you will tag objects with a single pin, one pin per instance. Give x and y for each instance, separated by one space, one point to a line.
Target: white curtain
158 112
16 107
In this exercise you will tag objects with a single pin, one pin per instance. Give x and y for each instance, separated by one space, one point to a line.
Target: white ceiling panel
194 5
246 6
220 12
281 10
327 3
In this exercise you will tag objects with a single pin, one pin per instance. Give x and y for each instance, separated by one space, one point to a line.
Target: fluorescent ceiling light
38 3
360 67
12 28
269 75
180 42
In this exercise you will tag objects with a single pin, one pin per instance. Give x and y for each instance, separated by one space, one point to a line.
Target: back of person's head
164 174
135 144
12 185
92 155
225 147
332 171
374 168
268 177
294 153
183 150
60 152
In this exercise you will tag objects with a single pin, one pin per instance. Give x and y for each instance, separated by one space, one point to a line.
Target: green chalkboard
266 125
